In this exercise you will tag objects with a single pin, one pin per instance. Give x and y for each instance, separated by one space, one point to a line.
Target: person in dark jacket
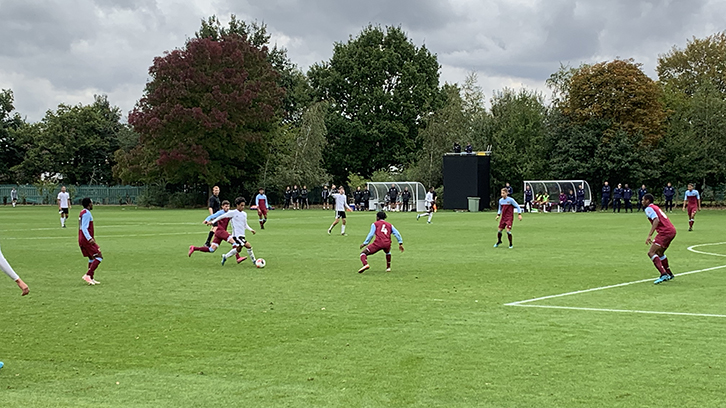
641 192
325 195
294 196
570 203
627 195
528 197
605 197
288 198
304 197
405 198
617 197
365 197
669 192
580 194
358 199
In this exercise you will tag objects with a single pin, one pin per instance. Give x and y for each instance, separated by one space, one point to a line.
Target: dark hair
649 197
381 215
239 200
86 202
225 202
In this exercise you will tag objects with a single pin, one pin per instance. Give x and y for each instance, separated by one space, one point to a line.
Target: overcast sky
54 52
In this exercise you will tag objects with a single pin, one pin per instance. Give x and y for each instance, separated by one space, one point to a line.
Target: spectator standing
627 195
510 190
14 196
288 198
406 197
325 194
528 197
641 192
304 197
669 192
357 198
365 197
295 197
580 199
617 197
605 197
393 195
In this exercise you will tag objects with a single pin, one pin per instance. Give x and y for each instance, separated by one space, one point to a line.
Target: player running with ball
220 234
666 232
382 230
239 227
506 212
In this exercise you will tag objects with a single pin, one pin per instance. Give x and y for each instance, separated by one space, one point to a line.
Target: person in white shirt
429 205
239 228
14 196
341 206
64 204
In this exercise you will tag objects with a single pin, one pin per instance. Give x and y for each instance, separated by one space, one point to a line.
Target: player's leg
691 217
499 237
208 242
250 254
337 219
364 259
342 227
509 235
654 253
388 259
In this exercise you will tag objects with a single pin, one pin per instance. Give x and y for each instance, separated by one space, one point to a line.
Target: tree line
229 108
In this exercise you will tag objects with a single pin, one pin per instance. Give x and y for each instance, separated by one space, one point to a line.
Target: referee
214 206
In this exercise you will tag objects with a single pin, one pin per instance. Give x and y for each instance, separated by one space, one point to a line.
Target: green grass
165 330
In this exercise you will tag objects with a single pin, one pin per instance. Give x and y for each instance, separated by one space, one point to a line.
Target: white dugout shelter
554 187
380 189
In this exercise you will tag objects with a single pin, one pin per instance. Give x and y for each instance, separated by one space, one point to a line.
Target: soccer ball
260 263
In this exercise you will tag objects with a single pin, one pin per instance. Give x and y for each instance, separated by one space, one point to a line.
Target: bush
153 196
181 200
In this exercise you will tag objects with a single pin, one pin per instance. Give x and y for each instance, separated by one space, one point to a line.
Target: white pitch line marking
109 236
523 303
593 309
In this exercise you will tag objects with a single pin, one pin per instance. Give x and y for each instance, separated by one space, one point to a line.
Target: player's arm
228 214
58 200
370 235
14 276
209 219
685 201
698 195
248 228
397 234
85 223
267 202
499 211
519 209
347 206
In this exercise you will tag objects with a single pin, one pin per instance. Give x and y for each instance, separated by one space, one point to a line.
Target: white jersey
340 201
239 222
63 198
429 198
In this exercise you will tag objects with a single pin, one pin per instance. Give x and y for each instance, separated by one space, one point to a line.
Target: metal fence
31 194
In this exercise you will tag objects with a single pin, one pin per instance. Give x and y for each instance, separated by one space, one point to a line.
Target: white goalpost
553 188
379 190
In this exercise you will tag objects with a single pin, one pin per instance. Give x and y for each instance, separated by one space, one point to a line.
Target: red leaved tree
205 112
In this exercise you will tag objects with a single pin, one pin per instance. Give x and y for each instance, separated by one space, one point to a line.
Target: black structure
466 175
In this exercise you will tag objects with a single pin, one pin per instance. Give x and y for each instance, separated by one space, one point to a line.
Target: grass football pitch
453 325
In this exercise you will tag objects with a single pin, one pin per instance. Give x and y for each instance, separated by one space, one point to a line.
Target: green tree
447 125
380 87
694 85
518 133
702 62
207 111
297 157
618 92
11 150
75 143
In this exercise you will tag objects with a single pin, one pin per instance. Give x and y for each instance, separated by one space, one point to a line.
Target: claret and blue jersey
507 206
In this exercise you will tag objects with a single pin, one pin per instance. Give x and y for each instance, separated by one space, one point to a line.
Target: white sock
430 215
231 253
251 254
62 221
342 229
